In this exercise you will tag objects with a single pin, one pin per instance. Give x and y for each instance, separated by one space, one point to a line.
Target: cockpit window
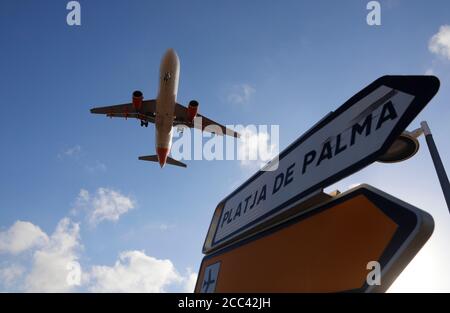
167 76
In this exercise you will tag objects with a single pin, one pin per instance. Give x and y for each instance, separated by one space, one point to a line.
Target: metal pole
440 170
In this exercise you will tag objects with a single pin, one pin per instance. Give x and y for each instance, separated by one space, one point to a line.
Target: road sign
345 141
325 249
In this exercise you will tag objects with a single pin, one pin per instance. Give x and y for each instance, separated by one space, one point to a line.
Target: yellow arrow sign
326 249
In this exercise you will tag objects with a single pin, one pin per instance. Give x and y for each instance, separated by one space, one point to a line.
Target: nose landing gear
144 123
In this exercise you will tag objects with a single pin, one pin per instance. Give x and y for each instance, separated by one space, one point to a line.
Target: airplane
165 112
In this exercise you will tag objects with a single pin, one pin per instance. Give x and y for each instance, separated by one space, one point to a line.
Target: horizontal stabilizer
175 162
151 158
154 158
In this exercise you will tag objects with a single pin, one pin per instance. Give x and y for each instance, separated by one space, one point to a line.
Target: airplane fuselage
165 104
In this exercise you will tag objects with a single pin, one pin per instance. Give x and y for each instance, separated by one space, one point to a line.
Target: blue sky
301 60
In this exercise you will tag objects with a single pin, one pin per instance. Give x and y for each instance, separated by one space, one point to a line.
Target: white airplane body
165 103
165 112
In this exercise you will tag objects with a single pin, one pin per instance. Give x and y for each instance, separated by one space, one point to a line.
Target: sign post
438 165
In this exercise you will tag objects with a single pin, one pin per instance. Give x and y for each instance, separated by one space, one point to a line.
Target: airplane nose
171 55
170 51
162 155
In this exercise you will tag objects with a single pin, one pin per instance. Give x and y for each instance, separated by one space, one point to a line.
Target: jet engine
138 97
192 110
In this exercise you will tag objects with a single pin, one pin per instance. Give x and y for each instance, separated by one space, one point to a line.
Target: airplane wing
146 112
181 119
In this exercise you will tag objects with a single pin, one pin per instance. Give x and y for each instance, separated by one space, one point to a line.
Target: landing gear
144 123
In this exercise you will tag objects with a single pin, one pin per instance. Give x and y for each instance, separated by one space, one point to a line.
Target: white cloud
70 152
440 42
97 167
50 269
105 205
189 281
159 226
241 94
429 71
51 255
163 227
10 274
83 196
134 272
76 154
55 262
21 236
256 148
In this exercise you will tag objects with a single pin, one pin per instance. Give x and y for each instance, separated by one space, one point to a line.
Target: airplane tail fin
154 158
